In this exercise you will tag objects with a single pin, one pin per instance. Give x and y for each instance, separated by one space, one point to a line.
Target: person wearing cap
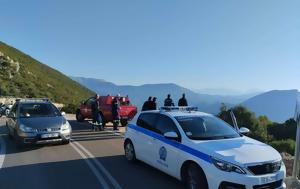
168 101
115 111
95 112
182 101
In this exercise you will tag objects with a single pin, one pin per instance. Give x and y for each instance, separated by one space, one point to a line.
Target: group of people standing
97 119
151 103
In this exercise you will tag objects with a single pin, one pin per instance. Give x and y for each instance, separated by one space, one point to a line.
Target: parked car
4 109
127 111
203 151
37 121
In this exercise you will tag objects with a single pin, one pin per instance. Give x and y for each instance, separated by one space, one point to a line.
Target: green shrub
284 146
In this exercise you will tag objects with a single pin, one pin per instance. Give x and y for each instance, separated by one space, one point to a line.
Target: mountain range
277 105
138 94
22 75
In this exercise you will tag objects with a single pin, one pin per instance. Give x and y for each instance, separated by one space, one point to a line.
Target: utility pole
293 182
297 146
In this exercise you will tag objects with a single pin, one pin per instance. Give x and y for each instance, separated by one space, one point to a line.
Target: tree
246 118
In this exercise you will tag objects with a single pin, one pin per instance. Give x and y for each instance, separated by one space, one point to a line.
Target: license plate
269 179
51 135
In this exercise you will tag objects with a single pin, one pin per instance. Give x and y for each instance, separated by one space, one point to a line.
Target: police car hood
240 151
43 122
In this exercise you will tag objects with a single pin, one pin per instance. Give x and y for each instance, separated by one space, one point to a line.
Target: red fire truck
127 111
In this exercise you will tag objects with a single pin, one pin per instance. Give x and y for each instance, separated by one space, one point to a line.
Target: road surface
94 160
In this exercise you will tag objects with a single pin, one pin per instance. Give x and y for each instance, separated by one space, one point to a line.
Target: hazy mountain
277 105
229 92
21 75
138 94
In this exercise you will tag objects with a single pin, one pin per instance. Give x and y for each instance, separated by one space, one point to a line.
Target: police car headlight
26 129
65 126
228 167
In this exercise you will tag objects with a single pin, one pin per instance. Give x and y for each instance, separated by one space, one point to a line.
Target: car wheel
20 144
79 116
129 151
124 122
6 112
195 178
9 134
66 142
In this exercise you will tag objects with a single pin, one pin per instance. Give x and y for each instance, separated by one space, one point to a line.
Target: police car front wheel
129 151
195 178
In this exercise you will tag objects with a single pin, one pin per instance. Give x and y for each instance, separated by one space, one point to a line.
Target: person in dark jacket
147 104
153 105
168 101
115 107
182 101
95 112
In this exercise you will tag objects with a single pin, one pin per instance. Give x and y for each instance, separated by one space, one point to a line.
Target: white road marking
100 166
92 167
2 151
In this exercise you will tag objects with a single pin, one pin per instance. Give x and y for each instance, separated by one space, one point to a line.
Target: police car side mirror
244 130
171 135
63 113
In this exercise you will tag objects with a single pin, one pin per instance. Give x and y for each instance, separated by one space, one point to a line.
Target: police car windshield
28 110
206 128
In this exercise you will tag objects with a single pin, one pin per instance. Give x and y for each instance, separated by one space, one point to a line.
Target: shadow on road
75 174
65 174
138 175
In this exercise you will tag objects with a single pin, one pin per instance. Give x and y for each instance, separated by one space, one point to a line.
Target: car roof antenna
234 120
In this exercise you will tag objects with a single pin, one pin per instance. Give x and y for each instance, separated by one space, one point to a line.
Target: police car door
144 143
166 155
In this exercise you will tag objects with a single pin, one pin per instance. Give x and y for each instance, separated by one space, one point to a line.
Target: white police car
202 151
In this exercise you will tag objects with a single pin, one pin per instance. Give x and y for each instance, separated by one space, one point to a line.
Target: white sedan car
202 151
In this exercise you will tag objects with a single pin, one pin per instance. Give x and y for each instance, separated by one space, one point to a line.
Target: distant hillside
277 105
138 94
21 75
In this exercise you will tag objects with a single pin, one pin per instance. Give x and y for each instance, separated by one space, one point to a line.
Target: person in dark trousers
153 105
115 112
147 104
168 101
182 101
95 112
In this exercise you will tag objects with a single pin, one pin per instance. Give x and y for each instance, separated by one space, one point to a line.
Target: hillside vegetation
22 75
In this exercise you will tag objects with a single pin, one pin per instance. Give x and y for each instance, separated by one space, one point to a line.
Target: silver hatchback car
37 121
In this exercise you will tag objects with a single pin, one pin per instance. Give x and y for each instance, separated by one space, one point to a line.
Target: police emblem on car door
163 153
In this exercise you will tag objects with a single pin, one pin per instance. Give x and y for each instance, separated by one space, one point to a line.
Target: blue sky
235 44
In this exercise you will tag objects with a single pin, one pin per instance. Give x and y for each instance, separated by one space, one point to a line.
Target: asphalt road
93 160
